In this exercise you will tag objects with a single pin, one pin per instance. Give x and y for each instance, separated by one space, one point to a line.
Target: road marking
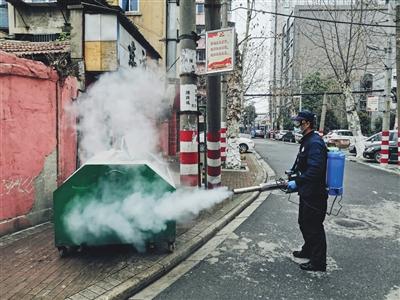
167 280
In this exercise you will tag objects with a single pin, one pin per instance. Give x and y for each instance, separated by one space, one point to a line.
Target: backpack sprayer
334 180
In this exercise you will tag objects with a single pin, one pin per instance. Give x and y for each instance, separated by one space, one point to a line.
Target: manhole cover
352 223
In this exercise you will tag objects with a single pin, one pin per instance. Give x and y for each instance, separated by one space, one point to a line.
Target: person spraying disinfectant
310 183
315 174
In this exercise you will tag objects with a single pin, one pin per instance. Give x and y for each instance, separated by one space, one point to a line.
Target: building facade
300 48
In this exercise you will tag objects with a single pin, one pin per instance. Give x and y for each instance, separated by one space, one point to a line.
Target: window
347 133
201 54
199 8
393 136
286 3
3 14
200 29
375 138
130 5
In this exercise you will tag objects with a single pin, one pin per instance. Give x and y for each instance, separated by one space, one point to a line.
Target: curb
135 284
373 166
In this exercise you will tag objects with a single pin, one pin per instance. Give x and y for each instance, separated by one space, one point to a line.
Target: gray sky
264 22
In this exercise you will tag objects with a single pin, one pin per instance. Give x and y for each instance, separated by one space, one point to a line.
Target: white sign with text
220 50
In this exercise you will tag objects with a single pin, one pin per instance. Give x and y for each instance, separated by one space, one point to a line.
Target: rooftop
23 48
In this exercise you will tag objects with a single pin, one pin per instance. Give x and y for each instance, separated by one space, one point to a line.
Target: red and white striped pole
188 158
188 89
213 160
385 148
223 143
386 114
213 21
398 142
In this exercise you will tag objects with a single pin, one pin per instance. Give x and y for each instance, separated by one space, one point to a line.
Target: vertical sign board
188 97
372 103
220 50
188 91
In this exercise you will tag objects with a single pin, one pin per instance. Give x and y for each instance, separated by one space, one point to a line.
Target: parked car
288 137
298 136
280 134
341 138
271 134
245 144
259 133
377 137
374 152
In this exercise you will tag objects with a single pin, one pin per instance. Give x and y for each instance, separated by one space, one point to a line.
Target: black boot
300 254
310 267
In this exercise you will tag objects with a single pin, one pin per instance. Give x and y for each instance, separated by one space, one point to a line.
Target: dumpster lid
121 157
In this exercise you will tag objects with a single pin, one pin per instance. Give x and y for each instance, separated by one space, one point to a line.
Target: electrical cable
315 19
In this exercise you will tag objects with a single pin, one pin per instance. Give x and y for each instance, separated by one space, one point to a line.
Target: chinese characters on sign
189 91
220 50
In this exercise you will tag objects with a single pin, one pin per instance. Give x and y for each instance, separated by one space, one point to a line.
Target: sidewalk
391 168
31 268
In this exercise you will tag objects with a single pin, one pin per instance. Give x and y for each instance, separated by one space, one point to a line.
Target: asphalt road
255 262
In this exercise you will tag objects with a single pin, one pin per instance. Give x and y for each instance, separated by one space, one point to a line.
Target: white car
298 136
340 135
373 139
280 134
245 144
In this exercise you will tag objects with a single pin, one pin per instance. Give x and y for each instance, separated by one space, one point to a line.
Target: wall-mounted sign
188 97
372 103
220 50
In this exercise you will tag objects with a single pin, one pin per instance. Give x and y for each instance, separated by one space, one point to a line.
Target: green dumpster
105 184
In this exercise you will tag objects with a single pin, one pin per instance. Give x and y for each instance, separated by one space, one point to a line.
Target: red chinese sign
220 50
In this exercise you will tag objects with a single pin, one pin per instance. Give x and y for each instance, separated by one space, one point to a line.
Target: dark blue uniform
311 182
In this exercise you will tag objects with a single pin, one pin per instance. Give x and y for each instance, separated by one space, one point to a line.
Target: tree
365 122
249 115
234 100
314 83
237 86
342 48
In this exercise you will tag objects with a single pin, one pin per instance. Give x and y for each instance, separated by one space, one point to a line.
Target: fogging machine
280 184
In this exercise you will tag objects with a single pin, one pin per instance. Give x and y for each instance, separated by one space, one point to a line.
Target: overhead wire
313 19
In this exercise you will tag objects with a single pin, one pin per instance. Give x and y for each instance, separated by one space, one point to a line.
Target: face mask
303 128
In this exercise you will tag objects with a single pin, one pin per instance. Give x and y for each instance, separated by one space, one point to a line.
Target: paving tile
31 268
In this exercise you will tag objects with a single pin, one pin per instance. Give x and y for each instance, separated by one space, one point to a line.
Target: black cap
304 115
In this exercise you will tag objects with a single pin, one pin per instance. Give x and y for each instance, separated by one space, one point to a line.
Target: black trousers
311 218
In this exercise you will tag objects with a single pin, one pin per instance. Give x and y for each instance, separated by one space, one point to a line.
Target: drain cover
351 223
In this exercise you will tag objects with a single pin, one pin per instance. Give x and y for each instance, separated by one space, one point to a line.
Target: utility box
109 180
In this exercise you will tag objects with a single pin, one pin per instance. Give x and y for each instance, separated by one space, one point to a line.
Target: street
255 261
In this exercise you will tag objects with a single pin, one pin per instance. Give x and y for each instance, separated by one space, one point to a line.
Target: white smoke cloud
126 105
131 219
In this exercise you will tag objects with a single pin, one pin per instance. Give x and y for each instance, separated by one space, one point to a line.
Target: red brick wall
31 159
67 141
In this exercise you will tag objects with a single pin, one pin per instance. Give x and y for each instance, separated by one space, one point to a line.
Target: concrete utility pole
188 89
224 89
386 112
171 40
213 21
398 78
272 105
323 114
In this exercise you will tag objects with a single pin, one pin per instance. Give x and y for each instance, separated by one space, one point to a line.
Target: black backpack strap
297 158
